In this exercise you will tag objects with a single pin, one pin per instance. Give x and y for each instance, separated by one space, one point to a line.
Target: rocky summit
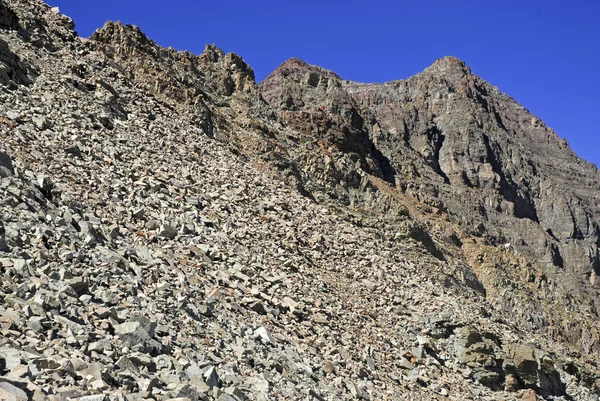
170 229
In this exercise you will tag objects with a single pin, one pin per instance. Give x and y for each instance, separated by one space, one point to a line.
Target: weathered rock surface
170 230
456 143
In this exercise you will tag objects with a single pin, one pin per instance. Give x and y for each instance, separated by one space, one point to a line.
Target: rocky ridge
170 229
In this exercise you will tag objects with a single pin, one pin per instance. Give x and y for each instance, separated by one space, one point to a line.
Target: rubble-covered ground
145 254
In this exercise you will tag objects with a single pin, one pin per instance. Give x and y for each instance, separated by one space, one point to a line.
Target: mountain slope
171 229
454 142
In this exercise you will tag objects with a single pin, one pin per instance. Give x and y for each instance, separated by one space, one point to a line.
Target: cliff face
169 228
508 163
507 176
454 142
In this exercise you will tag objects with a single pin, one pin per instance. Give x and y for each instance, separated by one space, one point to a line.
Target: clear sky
543 53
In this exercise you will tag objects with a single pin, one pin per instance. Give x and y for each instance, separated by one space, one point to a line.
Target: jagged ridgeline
170 229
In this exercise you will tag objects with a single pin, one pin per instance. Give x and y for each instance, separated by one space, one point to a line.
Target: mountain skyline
541 54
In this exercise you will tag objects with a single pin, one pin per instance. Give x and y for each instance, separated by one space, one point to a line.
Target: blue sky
545 54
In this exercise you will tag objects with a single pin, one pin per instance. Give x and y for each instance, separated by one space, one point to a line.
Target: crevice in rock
550 233
596 262
436 138
576 234
524 207
387 170
557 259
498 119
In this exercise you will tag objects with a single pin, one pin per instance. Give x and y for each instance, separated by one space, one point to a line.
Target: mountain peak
294 62
295 65
130 36
449 63
450 60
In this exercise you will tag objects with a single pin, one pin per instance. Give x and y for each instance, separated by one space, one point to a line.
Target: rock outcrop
170 229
